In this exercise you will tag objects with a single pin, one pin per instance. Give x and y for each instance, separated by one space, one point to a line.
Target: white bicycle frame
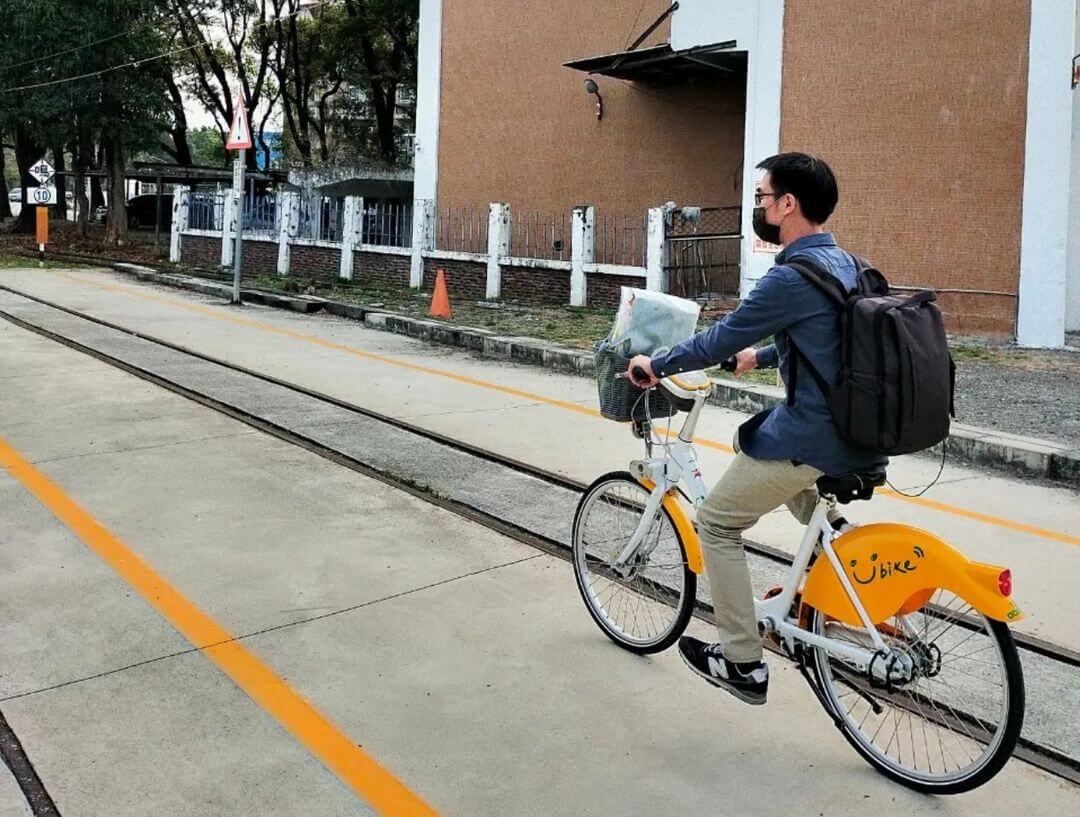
679 465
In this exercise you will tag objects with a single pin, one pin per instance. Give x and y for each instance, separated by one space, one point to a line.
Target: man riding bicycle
780 453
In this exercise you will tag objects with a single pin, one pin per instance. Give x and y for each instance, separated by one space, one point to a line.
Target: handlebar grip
729 365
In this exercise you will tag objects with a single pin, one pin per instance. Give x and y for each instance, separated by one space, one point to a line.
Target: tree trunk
27 151
5 205
115 166
179 130
59 164
84 147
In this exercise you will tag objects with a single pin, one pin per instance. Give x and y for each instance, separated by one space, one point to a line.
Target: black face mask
764 230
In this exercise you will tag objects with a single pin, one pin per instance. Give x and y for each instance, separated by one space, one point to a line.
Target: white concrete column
288 227
229 217
423 239
1072 260
426 138
764 25
179 220
654 249
498 247
352 226
1047 155
582 252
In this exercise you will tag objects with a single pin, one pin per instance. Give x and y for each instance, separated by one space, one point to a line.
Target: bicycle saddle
848 488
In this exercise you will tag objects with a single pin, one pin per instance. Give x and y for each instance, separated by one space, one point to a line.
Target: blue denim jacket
786 305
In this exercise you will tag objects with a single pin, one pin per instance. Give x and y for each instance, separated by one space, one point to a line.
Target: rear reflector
1005 582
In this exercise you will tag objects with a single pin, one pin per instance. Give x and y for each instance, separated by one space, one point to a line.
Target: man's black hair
808 179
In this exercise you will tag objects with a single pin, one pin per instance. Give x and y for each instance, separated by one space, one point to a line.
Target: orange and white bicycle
903 639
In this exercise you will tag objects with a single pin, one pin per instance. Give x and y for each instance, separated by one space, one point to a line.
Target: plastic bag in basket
647 321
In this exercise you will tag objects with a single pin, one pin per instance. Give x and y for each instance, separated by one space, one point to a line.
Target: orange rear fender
895 569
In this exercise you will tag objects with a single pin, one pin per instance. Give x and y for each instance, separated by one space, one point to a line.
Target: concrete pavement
460 660
548 419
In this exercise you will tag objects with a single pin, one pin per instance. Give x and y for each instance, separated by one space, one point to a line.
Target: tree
219 72
386 31
97 91
207 147
309 65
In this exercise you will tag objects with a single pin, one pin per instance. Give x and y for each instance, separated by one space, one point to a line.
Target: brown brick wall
200 251
920 109
605 290
538 287
516 126
464 279
260 257
318 262
373 267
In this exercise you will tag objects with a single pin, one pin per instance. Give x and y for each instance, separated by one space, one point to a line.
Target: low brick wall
260 257
200 250
605 290
464 279
316 262
540 287
379 268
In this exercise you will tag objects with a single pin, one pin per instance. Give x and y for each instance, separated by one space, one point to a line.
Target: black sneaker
749 684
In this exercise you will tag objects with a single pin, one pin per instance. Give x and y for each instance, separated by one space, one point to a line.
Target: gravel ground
1032 393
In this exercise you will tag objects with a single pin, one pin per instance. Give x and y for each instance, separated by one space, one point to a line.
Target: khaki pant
748 490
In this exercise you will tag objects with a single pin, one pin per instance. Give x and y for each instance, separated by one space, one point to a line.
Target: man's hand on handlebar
640 372
745 360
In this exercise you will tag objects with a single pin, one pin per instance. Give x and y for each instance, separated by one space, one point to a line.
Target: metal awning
660 64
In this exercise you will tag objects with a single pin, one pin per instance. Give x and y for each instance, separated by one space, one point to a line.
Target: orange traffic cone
440 301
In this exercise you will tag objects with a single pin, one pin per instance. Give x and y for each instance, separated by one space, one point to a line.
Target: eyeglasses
759 196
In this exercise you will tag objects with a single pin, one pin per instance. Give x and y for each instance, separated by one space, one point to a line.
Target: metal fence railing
321 219
261 215
705 221
620 240
461 230
545 237
387 225
205 211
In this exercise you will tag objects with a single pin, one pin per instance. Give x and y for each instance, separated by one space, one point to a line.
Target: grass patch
9 261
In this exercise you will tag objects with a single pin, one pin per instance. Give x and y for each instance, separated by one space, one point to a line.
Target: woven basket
621 400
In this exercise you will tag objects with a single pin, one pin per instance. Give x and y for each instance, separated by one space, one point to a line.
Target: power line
68 51
165 54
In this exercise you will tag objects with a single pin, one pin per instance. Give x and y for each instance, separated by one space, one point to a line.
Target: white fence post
288 227
180 196
228 228
423 239
654 250
498 247
582 252
352 224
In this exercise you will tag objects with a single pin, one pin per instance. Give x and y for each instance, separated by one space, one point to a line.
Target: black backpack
893 392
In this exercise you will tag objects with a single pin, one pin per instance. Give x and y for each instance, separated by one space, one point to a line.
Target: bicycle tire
1004 738
682 605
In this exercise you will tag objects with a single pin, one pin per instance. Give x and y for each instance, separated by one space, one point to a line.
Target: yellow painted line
378 787
977 516
942 507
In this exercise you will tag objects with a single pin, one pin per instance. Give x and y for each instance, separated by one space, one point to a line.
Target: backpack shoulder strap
820 278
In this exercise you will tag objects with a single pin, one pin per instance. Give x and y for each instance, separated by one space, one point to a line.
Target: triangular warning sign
240 133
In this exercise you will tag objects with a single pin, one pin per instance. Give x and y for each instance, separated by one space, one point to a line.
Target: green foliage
207 147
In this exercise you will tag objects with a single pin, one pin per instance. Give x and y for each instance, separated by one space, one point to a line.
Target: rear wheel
648 609
955 723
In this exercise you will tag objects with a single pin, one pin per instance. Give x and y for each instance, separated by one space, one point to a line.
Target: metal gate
703 253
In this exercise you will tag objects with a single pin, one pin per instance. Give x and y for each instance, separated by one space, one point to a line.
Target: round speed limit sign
42 195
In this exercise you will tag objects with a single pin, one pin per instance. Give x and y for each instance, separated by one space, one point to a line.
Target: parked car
142 212
14 194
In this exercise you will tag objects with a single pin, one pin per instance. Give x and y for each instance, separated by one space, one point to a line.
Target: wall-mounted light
592 88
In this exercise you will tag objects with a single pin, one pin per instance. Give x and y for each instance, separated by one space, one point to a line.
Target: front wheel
646 610
955 722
